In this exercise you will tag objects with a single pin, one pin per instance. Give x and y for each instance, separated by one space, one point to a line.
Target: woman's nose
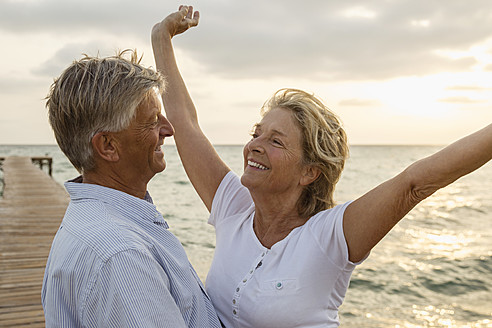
255 145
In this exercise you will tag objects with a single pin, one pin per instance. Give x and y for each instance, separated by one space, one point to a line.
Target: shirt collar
130 205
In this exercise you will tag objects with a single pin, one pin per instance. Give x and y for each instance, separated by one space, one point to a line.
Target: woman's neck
275 219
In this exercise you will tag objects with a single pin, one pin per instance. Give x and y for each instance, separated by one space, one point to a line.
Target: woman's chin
245 180
249 181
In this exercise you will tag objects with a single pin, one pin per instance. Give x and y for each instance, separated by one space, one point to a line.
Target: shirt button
237 289
234 312
244 280
234 301
251 271
279 285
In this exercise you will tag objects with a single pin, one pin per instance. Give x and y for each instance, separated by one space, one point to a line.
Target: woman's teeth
259 166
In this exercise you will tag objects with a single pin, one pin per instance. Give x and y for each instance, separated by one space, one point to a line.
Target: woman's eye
277 142
254 135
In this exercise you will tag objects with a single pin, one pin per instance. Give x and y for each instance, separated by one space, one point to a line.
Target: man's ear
104 146
309 174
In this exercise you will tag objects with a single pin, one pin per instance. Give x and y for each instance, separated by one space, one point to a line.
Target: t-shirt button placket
235 301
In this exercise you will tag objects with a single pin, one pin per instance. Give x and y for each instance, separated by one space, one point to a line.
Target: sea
434 269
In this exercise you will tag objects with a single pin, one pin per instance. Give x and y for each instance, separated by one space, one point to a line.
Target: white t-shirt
300 282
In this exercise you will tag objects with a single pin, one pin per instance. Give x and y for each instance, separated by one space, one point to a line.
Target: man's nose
167 128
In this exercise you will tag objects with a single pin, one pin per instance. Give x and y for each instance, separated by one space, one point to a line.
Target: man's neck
116 181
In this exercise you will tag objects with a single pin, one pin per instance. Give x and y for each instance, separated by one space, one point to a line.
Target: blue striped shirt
113 263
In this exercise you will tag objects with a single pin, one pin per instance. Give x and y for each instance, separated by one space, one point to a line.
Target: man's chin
161 167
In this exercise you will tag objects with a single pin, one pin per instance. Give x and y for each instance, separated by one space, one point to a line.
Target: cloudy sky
396 71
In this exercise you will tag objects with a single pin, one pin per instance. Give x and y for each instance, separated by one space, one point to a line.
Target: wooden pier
41 161
31 210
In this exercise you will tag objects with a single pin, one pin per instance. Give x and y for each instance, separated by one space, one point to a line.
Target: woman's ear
309 175
104 146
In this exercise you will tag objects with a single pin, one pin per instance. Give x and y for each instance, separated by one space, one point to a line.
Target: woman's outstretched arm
368 219
203 165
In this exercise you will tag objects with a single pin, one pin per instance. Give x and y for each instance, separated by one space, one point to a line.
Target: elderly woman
284 251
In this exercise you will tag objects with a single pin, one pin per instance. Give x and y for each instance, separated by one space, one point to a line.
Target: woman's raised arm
368 219
203 165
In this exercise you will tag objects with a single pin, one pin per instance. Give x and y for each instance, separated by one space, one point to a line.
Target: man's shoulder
102 229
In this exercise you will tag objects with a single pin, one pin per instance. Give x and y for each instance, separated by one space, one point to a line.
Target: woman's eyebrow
278 132
274 131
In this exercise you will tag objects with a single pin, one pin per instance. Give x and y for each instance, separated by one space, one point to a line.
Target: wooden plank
25 319
31 210
18 309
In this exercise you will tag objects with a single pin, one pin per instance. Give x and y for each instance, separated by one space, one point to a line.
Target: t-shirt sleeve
230 198
132 290
328 229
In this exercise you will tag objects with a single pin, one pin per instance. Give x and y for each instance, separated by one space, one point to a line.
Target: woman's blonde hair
324 144
97 94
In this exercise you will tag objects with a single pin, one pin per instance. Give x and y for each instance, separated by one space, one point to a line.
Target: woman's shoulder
330 215
326 227
230 198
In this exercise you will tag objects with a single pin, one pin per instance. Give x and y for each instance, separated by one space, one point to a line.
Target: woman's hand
175 23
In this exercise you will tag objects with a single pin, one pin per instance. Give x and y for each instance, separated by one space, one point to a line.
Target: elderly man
113 263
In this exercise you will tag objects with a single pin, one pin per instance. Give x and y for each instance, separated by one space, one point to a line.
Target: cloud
467 88
359 102
488 68
18 85
62 17
70 52
461 100
324 44
322 40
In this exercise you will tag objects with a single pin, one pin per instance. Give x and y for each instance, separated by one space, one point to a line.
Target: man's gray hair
97 95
